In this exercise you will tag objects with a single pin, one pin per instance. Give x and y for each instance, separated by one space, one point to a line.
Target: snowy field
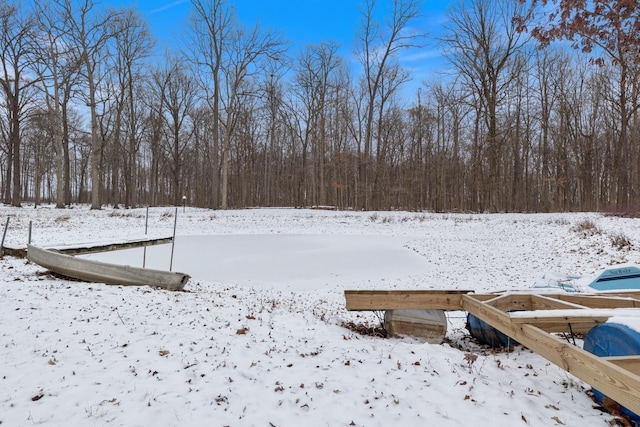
257 338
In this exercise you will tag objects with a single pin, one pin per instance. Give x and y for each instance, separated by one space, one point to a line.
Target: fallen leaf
470 358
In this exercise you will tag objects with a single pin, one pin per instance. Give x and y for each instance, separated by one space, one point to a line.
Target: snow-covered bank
263 345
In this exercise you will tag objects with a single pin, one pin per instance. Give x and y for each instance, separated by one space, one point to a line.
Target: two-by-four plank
405 300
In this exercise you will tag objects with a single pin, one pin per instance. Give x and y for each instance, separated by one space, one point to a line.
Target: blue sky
303 22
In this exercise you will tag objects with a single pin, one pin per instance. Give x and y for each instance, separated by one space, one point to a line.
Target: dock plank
374 300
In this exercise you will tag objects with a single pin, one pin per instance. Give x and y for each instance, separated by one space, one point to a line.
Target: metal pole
30 227
173 240
3 237
146 226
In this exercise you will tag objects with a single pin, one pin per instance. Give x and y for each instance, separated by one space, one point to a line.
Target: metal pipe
6 226
173 240
146 226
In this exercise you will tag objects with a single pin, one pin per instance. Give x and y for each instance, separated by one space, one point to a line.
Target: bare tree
89 32
211 23
312 86
16 26
175 91
39 140
246 49
57 69
133 45
483 38
377 49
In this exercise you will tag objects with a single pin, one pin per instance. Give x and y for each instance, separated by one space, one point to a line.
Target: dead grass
117 214
620 241
586 228
365 329
62 218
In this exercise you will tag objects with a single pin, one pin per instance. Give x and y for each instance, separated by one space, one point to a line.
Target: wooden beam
491 315
407 300
487 297
91 248
619 384
548 324
630 363
508 302
571 315
625 294
543 302
107 247
600 301
567 320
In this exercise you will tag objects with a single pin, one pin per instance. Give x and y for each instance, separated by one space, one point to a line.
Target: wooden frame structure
531 319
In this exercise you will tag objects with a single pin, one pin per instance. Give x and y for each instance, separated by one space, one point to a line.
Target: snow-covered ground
258 336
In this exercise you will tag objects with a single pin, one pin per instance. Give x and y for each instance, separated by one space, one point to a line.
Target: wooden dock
91 248
533 325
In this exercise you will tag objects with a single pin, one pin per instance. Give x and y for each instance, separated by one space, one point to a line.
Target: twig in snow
120 317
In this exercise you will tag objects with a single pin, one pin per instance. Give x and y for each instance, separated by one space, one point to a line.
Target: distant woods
91 112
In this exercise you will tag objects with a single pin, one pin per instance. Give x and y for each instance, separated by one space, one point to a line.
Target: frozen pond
301 262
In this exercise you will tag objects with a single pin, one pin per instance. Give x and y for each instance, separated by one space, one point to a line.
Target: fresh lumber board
569 320
628 293
408 300
630 363
544 302
571 315
604 300
509 302
518 301
618 383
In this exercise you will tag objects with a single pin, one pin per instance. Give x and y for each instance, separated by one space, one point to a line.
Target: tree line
229 117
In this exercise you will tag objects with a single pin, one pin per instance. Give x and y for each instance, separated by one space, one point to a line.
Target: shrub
620 241
587 228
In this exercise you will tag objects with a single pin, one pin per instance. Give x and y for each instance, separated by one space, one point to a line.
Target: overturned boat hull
618 278
102 272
